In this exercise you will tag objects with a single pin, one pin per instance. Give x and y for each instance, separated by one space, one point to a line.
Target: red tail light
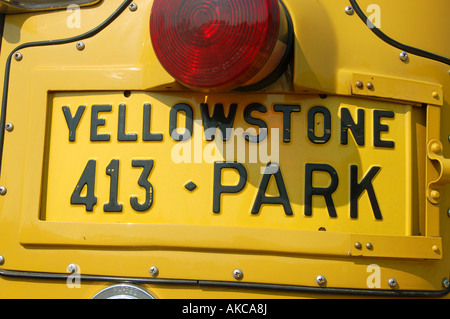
218 45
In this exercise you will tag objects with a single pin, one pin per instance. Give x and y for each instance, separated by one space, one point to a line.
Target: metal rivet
80 46
435 195
370 86
2 190
435 248
448 212
359 85
349 10
392 282
2 260
238 274
72 268
320 280
133 7
154 271
18 56
435 148
403 56
369 246
9 127
445 283
435 94
358 245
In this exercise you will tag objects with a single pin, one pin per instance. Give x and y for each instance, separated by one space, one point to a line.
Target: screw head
403 56
359 85
133 7
2 190
72 268
392 282
445 283
80 45
238 274
321 280
18 56
349 10
9 127
154 271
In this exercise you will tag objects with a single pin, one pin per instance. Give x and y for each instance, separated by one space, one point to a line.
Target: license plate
239 160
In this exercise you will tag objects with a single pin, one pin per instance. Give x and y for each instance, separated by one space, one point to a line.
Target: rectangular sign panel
254 160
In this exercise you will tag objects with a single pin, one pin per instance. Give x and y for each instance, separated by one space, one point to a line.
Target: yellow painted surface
41 231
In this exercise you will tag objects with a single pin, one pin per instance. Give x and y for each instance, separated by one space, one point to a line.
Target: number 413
87 180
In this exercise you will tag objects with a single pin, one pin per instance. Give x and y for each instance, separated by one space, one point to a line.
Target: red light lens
214 45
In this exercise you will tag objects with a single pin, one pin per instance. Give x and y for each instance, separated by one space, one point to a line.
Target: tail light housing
221 45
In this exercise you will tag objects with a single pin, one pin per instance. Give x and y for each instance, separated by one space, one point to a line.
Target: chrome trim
15 6
393 293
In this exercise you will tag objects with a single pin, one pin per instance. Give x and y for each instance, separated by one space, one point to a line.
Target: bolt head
321 280
238 274
18 56
445 283
369 246
349 10
2 260
133 7
72 268
448 212
154 271
403 56
370 86
80 46
9 127
392 282
2 190
358 245
359 85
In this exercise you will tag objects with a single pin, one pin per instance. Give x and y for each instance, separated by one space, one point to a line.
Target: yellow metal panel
397 89
41 231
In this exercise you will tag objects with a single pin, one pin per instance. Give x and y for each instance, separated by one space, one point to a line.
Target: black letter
348 123
147 166
146 134
96 122
72 122
112 170
219 188
173 122
287 111
310 191
326 125
218 119
87 179
378 128
356 189
253 121
121 135
261 197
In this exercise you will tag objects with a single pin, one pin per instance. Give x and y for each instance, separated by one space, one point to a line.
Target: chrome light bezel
15 6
